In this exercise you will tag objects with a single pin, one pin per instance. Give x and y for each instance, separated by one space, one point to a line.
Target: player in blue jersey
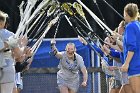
131 46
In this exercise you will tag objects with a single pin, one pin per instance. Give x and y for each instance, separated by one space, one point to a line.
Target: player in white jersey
69 66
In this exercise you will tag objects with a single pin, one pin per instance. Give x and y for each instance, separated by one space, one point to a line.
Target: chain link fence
45 81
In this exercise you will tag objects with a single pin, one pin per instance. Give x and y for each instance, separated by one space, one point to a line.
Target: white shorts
7 87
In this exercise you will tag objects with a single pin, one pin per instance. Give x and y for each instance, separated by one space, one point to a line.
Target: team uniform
131 42
68 75
124 75
116 83
8 69
18 80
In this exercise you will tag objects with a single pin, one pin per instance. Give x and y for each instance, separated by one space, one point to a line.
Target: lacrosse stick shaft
95 17
44 3
114 9
27 13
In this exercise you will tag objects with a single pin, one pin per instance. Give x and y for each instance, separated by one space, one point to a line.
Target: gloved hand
53 47
12 42
53 42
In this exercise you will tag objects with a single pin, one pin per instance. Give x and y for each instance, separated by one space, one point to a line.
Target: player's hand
84 84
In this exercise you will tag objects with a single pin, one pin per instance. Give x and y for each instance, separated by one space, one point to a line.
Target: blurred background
65 31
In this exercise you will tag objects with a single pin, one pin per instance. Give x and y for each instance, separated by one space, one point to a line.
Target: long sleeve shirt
131 42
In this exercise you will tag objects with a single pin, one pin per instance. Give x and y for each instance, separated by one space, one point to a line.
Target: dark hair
2 18
139 17
7 23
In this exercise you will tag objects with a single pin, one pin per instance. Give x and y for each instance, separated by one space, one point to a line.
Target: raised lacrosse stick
95 17
80 11
21 10
43 4
26 15
51 23
53 8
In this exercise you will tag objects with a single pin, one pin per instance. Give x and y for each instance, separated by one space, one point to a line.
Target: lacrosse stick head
79 9
67 7
53 7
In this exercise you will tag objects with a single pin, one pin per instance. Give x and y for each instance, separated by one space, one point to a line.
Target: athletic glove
12 42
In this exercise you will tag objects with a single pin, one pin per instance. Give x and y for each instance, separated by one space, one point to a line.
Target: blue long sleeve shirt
131 42
98 50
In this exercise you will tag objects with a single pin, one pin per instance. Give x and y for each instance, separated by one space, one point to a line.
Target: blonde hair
71 44
3 16
132 10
